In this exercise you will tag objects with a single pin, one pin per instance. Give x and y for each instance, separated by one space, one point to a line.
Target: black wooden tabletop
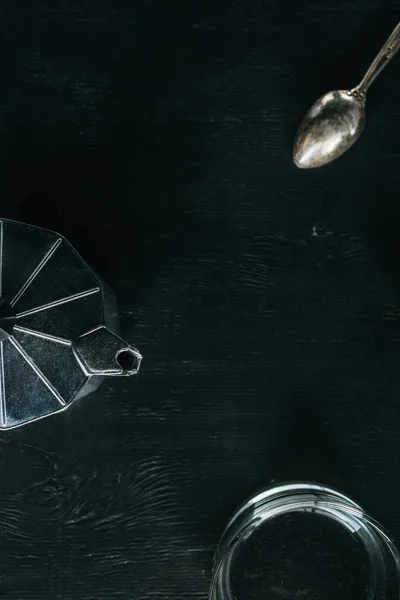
157 136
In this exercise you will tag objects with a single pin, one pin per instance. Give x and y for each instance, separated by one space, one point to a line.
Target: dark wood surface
156 136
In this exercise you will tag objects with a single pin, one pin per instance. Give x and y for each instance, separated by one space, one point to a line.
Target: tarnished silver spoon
337 119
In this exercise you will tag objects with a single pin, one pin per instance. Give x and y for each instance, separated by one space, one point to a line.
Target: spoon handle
388 50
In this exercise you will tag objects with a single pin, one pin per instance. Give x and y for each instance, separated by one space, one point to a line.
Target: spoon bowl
329 128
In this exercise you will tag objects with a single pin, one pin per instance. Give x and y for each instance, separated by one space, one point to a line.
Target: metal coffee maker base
58 326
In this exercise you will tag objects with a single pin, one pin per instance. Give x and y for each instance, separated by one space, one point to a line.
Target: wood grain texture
156 136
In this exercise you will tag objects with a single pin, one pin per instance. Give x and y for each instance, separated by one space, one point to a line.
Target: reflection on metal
337 119
58 326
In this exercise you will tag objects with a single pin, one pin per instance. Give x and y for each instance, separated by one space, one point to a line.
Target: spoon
337 119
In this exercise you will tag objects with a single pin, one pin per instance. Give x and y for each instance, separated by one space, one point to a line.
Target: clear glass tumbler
302 541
